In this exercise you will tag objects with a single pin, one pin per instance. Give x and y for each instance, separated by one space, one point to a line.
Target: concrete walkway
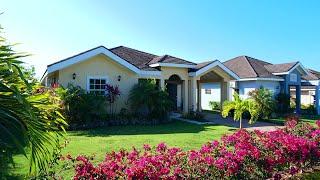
263 126
218 119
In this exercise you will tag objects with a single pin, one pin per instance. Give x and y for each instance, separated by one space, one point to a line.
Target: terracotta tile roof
248 67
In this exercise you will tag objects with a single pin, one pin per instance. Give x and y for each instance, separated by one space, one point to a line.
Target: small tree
240 106
112 93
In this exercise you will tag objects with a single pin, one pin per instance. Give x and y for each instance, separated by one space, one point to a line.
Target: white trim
95 77
150 74
172 65
293 68
90 54
260 79
212 65
314 82
44 76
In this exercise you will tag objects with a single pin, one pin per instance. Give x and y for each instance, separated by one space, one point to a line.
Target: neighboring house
217 81
290 78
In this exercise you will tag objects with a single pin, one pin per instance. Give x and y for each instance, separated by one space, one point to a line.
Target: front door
172 90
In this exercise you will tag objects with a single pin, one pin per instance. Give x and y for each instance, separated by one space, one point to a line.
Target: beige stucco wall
184 75
169 71
100 66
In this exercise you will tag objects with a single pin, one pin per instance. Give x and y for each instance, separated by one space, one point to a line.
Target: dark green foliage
283 103
308 109
214 105
193 115
264 100
81 107
148 100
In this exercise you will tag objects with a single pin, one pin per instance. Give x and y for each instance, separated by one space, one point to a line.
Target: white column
194 93
199 95
228 91
185 96
162 85
317 100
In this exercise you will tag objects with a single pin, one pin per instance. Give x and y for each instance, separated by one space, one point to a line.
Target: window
97 85
293 77
207 91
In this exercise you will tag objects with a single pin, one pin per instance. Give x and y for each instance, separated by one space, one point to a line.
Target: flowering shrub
241 155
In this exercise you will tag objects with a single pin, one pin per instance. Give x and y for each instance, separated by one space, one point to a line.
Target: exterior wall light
119 78
74 75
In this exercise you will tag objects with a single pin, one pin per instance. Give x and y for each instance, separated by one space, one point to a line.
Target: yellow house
123 66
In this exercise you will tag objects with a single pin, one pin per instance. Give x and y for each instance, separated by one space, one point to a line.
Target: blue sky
272 30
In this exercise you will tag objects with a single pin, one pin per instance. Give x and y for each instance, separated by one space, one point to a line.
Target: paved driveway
218 119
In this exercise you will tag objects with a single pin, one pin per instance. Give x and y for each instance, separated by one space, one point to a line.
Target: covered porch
210 83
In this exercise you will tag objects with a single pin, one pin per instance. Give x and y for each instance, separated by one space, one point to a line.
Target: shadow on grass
173 127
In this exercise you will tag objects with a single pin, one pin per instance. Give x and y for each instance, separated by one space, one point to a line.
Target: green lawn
99 141
303 118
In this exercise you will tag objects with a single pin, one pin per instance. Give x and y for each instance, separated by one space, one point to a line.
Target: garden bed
242 155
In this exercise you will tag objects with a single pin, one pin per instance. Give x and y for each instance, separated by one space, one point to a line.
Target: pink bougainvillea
243 154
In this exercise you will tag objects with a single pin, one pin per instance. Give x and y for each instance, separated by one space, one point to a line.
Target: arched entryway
174 88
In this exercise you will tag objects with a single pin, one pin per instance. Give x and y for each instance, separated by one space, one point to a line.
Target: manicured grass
99 141
303 118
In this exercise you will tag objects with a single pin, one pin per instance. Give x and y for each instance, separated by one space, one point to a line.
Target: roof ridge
134 50
163 57
246 58
181 59
259 60
295 62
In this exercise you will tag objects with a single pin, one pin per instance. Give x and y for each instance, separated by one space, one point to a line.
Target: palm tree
27 118
240 106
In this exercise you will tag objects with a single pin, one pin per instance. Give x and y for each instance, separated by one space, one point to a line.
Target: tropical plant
28 118
214 105
283 102
81 107
146 98
112 93
264 99
241 106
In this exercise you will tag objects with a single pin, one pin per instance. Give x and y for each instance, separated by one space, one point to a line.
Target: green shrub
214 105
81 107
148 100
264 100
193 115
283 103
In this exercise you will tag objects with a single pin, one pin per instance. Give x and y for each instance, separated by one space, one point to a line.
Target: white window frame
95 77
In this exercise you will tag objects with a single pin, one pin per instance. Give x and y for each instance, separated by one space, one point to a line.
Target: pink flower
261 153
291 124
318 123
146 147
161 147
